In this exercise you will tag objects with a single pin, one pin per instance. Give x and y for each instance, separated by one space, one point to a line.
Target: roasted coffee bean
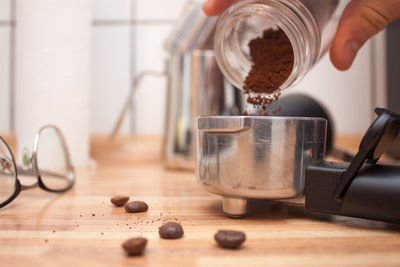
171 230
119 201
230 239
136 206
134 246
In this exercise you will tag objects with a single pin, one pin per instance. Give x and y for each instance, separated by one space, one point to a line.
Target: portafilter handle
361 188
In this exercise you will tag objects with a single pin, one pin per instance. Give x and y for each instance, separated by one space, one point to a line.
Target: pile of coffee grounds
273 59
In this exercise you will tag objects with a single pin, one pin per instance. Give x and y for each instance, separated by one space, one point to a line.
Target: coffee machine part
251 157
280 157
192 31
361 188
131 99
195 86
302 105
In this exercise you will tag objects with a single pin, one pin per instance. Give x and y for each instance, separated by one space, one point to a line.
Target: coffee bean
119 201
230 239
171 230
134 246
136 206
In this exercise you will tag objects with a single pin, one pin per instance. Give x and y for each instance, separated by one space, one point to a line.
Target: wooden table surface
82 228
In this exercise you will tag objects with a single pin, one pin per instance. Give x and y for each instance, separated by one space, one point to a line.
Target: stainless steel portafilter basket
282 158
256 157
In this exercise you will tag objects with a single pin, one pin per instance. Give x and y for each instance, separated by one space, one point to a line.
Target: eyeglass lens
7 172
52 161
25 173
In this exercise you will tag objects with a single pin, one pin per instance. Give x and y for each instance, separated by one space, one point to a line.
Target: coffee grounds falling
273 59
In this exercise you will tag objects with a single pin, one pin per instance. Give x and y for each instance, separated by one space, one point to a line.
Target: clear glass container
310 26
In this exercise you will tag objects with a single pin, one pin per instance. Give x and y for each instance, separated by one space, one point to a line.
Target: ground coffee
134 246
273 59
119 201
171 230
229 239
136 206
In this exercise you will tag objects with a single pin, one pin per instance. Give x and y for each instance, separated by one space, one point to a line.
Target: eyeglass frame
34 169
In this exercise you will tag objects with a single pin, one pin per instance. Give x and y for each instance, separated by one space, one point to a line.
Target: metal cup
246 157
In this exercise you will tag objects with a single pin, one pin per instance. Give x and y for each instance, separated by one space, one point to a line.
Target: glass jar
310 26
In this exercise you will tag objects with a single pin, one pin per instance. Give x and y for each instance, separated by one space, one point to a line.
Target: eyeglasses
49 162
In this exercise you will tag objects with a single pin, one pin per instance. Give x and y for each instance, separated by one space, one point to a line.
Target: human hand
360 20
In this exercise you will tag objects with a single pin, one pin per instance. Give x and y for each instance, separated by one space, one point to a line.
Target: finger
216 7
360 21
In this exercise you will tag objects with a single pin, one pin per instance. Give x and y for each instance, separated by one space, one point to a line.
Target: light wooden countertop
82 228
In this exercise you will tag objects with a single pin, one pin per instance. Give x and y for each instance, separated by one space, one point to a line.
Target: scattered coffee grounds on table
119 201
171 230
134 246
273 59
136 206
229 239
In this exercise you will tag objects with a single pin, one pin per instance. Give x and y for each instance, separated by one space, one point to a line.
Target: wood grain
82 228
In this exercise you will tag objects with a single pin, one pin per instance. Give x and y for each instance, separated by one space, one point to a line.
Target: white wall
5 65
348 95
147 24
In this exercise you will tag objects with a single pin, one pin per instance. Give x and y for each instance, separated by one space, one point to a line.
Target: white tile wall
110 76
346 95
159 9
111 73
4 65
151 94
4 79
111 9
150 106
5 10
149 50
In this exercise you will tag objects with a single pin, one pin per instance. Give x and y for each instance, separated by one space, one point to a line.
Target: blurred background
127 37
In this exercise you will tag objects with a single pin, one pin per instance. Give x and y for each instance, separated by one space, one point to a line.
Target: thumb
361 20
216 7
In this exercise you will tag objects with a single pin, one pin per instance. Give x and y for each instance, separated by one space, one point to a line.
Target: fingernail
350 50
206 5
